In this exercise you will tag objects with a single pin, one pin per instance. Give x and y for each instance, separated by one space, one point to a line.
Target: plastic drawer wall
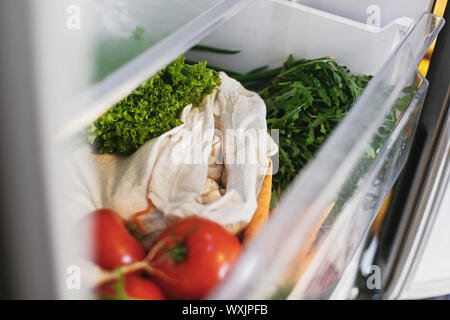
365 10
343 236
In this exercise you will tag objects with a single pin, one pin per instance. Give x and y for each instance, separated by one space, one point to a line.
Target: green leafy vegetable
153 108
305 101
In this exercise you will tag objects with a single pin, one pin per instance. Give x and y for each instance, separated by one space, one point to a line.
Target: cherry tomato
113 245
193 255
133 286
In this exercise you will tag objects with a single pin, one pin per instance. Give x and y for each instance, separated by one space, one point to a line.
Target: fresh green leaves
152 109
305 100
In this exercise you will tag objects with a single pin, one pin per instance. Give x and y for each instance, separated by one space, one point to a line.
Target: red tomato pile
188 259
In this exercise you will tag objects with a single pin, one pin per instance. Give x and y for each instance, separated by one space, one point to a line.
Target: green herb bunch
305 101
153 108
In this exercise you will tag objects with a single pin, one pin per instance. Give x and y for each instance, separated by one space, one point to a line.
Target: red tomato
135 286
113 245
196 255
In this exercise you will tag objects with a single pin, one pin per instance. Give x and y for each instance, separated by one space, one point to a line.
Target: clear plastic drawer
323 217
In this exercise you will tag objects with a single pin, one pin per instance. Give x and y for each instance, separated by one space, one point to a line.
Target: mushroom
224 178
210 185
211 197
215 172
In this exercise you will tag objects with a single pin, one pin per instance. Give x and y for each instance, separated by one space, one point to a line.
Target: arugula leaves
153 108
305 100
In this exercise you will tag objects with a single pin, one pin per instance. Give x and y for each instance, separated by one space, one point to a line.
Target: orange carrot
261 214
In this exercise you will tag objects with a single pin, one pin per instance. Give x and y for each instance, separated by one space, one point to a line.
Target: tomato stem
179 251
119 288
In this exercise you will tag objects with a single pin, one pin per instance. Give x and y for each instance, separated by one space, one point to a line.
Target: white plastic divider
268 31
372 11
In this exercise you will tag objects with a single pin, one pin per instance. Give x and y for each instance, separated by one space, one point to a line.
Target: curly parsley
153 108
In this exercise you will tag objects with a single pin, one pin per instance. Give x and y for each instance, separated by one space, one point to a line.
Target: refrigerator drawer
328 208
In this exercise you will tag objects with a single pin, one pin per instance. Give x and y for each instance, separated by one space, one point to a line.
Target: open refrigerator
54 77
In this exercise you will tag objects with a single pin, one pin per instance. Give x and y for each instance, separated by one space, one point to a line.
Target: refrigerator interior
391 54
338 193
